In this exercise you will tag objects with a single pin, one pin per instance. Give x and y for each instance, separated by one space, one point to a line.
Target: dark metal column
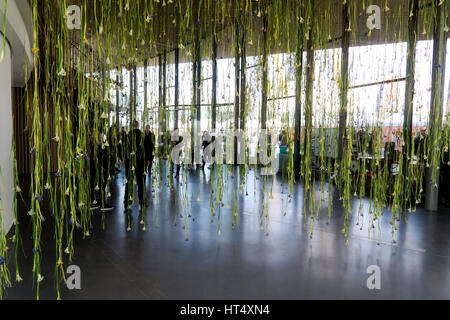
164 88
130 111
243 57
214 82
298 95
237 60
117 101
160 91
145 114
436 107
413 31
264 87
177 61
344 80
135 89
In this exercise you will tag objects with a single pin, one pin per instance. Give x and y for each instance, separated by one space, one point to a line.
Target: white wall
6 159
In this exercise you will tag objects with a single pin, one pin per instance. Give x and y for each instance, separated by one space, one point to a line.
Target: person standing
149 147
134 165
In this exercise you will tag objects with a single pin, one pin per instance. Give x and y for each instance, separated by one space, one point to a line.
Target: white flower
128 229
127 6
87 234
40 278
96 188
147 19
31 213
62 73
18 190
81 107
56 138
47 186
143 228
131 32
18 278
81 204
108 61
94 202
109 195
67 250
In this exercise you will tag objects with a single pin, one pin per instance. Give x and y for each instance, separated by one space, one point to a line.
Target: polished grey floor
245 263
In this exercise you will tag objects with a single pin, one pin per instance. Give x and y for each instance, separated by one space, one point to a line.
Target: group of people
134 151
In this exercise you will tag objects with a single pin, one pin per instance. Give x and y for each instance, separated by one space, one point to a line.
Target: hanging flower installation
304 71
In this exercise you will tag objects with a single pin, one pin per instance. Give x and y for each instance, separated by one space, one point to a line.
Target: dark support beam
164 93
130 111
344 80
214 82
298 96
160 91
117 101
177 91
412 38
145 114
135 90
436 107
237 60
264 84
198 57
243 53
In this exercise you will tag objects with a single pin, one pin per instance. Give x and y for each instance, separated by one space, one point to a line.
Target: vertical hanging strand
412 38
436 106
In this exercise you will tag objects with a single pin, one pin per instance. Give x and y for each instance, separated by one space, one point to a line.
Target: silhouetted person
149 146
134 164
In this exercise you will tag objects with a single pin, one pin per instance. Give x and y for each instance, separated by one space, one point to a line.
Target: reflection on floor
245 263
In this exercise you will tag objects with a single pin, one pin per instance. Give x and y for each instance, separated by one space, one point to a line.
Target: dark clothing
149 147
134 157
